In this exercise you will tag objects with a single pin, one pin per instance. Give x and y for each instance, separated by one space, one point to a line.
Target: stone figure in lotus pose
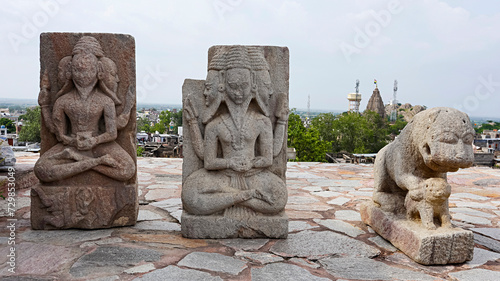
84 119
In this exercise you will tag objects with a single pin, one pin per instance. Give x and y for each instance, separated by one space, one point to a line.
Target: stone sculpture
410 198
235 145
430 203
87 168
7 157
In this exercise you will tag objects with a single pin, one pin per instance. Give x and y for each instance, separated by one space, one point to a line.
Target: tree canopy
306 141
30 130
349 131
9 124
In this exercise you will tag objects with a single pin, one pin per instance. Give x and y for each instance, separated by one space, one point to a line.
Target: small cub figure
428 202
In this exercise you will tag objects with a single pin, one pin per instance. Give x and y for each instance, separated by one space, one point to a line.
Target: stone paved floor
327 239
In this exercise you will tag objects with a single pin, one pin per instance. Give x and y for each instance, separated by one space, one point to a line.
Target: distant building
489 141
376 104
354 101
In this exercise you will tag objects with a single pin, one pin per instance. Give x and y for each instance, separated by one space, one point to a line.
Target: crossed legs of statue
208 192
61 162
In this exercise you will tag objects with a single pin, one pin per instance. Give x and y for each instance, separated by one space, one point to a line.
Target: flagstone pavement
327 240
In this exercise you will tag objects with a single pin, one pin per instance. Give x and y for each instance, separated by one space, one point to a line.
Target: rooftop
327 240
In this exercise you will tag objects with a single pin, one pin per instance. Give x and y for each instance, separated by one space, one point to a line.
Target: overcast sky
443 53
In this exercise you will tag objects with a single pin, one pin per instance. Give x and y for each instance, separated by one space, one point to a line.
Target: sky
443 53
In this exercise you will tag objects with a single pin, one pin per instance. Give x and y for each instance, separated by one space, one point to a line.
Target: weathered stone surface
66 237
23 278
489 243
158 225
233 181
244 244
305 262
487 182
106 241
219 226
472 212
147 215
213 262
440 246
317 244
87 168
490 232
382 243
368 269
410 184
106 278
339 201
294 226
262 258
348 215
28 261
173 273
469 196
141 268
341 226
476 274
481 257
471 219
111 260
169 238
283 271
7 157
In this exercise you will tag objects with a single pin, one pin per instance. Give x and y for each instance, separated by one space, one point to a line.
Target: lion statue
430 203
434 142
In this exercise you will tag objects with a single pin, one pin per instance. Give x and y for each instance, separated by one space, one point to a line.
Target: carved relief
237 127
87 147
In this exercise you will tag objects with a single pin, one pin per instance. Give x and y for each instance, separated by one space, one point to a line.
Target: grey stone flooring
327 240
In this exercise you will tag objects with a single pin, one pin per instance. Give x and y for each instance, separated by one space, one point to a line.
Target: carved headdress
250 58
88 45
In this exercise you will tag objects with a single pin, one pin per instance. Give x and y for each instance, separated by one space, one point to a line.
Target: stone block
218 226
87 166
428 247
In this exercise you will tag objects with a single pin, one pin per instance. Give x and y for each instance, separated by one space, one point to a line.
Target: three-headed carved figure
236 133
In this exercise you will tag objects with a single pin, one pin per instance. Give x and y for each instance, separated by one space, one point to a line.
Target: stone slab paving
327 240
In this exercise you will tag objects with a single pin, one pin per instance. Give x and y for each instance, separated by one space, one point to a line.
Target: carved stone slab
235 132
88 166
429 247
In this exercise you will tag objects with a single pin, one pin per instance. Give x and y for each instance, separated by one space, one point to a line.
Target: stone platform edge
218 226
428 247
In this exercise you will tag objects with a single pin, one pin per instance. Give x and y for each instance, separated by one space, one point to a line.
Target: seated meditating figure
84 118
237 146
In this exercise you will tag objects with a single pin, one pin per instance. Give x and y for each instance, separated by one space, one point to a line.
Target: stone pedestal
87 166
218 226
82 206
428 247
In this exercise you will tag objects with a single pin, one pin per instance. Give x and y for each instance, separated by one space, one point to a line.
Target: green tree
177 118
143 124
352 132
306 141
31 125
324 124
376 132
397 127
486 126
158 127
9 124
165 118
